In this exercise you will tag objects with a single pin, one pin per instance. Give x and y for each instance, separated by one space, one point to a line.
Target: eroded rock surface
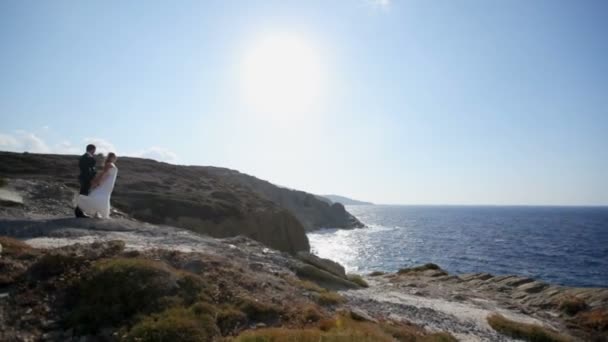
461 304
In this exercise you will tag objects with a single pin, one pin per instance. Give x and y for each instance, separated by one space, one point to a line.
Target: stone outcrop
324 264
160 193
581 313
313 212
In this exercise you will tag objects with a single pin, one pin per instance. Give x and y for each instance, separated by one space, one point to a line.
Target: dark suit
87 173
86 163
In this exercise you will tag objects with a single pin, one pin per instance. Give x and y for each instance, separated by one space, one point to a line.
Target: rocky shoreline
426 297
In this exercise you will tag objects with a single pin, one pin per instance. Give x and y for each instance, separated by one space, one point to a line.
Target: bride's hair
110 156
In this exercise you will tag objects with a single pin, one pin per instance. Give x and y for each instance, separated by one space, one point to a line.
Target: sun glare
282 75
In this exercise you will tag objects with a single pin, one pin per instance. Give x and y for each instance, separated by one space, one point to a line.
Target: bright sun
282 74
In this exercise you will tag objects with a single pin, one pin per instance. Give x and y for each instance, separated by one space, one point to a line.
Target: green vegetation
230 319
115 290
258 311
424 267
571 305
357 279
524 331
176 324
51 265
3 182
376 273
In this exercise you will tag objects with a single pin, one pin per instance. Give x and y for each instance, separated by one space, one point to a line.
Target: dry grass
524 331
304 284
330 298
357 279
342 329
571 305
15 248
595 320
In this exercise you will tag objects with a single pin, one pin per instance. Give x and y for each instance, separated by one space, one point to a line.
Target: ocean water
560 245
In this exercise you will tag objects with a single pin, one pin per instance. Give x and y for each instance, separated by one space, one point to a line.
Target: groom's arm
92 170
99 178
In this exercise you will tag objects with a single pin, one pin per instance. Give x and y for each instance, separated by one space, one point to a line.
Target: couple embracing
95 187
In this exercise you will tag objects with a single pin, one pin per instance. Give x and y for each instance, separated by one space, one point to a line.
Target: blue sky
414 102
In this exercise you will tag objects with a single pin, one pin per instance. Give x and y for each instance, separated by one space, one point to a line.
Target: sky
401 102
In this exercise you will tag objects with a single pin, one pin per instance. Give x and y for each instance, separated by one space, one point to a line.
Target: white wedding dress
97 203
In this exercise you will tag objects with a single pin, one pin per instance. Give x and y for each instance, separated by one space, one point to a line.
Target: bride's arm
100 176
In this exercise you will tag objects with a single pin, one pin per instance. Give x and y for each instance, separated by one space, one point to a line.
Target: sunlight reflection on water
559 245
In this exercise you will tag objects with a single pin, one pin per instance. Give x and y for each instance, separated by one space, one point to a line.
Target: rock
52 336
533 287
324 278
514 281
324 264
434 273
312 212
360 315
10 198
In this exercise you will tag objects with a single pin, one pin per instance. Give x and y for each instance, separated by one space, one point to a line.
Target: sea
559 245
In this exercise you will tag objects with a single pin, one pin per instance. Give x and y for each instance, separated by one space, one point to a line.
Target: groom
87 173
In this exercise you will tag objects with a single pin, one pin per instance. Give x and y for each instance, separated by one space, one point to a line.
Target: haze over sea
560 245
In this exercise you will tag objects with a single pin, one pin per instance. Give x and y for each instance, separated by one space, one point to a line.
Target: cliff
312 212
160 193
345 200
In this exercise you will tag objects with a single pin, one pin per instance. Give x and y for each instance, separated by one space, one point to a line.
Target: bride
97 203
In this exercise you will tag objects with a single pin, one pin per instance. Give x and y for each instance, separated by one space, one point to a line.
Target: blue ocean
560 245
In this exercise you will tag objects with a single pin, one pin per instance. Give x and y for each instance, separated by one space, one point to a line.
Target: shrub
357 279
259 311
51 265
177 324
311 313
202 308
524 331
114 290
230 319
330 298
3 182
376 273
572 305
429 266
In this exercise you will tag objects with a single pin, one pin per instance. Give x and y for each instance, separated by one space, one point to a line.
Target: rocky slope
313 212
160 193
68 279
123 280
